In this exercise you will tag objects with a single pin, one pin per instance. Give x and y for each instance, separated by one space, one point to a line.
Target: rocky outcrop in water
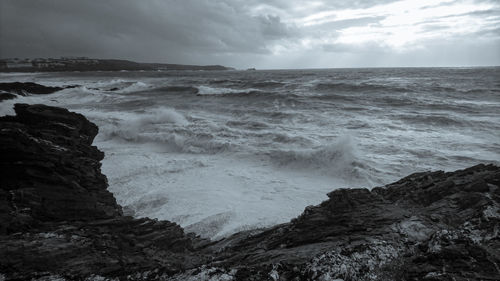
59 221
13 89
22 89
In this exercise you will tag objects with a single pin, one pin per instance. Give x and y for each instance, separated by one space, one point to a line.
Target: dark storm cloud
149 30
255 33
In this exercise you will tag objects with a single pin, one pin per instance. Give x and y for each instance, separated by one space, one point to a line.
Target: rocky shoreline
59 222
14 89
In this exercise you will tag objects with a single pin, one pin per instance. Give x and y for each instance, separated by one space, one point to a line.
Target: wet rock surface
59 221
57 216
427 226
6 96
12 90
23 89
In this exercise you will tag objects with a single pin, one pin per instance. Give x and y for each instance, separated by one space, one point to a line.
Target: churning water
219 152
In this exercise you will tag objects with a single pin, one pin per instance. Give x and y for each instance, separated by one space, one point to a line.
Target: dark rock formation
427 226
50 171
59 221
57 216
13 89
22 89
6 96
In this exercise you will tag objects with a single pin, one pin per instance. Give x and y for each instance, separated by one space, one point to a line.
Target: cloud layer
269 34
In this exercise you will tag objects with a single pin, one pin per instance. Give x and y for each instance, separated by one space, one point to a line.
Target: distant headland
89 64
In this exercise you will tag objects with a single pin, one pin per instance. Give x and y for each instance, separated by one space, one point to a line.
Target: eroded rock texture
57 216
59 221
50 171
10 90
22 89
427 226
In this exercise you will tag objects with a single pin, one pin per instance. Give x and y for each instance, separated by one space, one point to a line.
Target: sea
225 151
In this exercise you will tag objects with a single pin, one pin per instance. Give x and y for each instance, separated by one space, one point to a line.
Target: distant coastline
88 64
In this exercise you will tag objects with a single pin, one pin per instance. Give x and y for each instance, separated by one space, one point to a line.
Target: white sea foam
164 127
161 115
213 91
217 164
136 86
133 125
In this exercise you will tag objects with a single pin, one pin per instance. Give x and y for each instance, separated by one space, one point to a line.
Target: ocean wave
162 115
284 138
162 90
362 87
432 120
266 84
130 126
107 83
133 87
442 89
339 159
396 100
165 127
250 125
227 92
226 82
268 139
334 97
80 95
248 83
116 85
180 89
173 142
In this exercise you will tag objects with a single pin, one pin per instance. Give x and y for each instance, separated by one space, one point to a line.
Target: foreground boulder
427 226
57 216
58 221
50 171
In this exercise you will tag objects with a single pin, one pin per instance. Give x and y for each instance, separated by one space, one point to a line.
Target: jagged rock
115 247
427 226
50 171
22 89
6 96
58 221
57 216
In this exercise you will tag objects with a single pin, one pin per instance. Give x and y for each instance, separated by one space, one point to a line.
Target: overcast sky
257 33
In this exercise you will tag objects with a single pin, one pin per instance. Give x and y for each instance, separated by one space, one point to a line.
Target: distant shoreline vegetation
88 64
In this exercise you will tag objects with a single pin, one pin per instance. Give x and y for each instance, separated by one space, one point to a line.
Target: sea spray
226 151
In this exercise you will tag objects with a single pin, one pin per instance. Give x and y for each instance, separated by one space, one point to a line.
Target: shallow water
219 152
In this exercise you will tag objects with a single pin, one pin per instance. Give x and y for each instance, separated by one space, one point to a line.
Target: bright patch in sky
404 24
258 33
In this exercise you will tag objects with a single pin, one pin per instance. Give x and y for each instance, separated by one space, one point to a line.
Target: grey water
224 151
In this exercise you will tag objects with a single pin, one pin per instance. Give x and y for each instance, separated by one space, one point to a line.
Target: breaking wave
362 87
432 120
339 159
170 90
117 85
211 91
165 127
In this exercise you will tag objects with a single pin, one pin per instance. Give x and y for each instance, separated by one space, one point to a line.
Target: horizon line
257 69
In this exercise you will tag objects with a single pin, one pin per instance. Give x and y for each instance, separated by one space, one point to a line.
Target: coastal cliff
58 216
59 221
87 64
